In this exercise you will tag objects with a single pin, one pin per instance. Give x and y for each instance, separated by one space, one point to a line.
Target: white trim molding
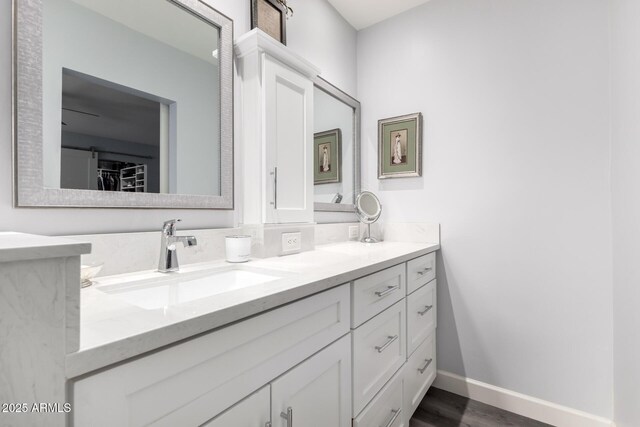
521 404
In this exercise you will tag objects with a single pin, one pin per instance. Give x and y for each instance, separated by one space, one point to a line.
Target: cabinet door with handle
250 412
289 144
316 393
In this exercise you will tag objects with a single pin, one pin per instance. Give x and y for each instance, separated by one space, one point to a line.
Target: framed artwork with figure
327 157
400 146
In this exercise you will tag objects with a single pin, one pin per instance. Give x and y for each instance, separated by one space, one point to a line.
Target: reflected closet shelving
134 179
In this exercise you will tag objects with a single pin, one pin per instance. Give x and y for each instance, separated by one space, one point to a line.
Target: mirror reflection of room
333 149
118 113
111 137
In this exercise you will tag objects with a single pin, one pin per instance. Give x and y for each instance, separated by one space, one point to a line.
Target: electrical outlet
291 242
354 231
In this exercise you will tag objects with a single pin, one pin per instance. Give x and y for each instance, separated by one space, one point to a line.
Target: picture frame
400 146
271 17
327 157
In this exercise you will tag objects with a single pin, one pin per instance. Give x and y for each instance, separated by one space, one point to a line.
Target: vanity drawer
385 407
379 350
419 373
192 382
420 271
374 293
421 315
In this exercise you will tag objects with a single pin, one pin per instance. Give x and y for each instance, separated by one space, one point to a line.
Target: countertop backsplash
129 252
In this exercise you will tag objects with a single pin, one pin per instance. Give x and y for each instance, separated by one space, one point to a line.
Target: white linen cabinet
275 133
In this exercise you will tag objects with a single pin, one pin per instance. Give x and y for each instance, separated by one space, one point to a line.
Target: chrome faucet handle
169 227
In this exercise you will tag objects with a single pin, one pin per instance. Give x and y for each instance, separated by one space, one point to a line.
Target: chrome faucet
168 239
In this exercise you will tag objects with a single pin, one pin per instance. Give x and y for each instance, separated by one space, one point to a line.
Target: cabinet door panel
289 143
254 411
318 391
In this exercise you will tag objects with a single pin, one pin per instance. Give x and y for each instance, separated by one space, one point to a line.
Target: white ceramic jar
238 248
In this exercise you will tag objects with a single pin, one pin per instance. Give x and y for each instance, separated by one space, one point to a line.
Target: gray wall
626 209
83 221
322 36
515 97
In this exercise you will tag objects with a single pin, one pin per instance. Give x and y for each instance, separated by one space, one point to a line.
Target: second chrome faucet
168 255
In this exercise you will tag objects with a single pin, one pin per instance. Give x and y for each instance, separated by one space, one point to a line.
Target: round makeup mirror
368 208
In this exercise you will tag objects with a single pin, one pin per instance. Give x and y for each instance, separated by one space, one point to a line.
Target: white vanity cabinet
276 136
361 354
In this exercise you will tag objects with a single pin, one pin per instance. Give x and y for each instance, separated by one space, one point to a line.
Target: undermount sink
164 290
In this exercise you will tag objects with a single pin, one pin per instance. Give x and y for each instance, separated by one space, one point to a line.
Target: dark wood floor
443 409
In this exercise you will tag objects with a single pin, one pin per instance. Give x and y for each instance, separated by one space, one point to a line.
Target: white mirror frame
333 91
29 189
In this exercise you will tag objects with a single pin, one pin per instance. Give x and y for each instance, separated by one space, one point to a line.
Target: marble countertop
112 330
23 247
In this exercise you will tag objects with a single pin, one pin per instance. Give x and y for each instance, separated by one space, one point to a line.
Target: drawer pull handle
384 346
425 271
394 415
424 368
288 416
426 310
387 291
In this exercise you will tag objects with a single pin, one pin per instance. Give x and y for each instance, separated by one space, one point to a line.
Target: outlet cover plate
291 242
354 232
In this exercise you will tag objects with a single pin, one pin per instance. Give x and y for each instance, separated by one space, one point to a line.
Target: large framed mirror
116 104
336 175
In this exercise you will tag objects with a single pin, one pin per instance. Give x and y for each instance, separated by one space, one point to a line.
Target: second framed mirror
336 148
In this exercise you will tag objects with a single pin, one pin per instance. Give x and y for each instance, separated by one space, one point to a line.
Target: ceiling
91 108
162 21
363 13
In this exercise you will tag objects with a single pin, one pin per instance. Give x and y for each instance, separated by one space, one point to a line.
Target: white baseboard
527 406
